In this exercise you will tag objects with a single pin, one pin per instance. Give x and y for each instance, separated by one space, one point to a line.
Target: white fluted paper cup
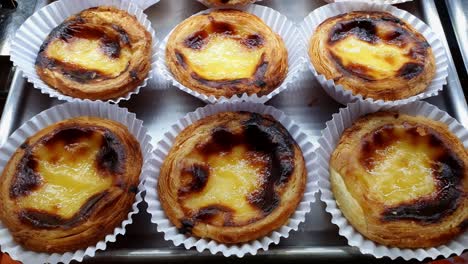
30 36
327 144
209 4
343 96
162 149
280 24
52 116
143 4
387 2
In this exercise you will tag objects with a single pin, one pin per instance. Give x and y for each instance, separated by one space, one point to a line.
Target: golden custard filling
69 177
402 171
224 58
89 54
232 178
378 60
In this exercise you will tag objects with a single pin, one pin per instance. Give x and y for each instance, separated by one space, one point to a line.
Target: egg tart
232 177
373 54
101 53
70 184
226 53
401 181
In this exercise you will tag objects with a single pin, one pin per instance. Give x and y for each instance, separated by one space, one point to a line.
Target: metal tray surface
305 102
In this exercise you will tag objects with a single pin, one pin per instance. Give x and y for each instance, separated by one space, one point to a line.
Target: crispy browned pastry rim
427 220
374 28
119 157
279 184
194 35
118 33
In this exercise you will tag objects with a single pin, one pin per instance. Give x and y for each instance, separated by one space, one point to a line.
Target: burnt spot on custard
26 178
447 173
263 137
410 70
181 59
220 27
365 27
196 40
111 156
112 39
110 159
258 80
212 213
199 39
253 41
45 220
197 177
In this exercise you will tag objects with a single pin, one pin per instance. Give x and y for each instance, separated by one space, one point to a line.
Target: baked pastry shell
344 96
280 25
32 33
171 233
327 143
52 116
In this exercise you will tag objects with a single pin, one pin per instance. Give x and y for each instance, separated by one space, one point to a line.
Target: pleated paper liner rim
327 144
32 33
338 92
171 233
54 115
143 4
281 25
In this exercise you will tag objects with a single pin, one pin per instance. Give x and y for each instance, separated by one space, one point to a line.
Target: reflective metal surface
458 11
12 18
305 102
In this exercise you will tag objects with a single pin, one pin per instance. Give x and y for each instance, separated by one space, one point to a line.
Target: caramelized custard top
65 173
411 169
376 46
234 178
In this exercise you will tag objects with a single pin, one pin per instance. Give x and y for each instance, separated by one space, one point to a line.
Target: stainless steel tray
305 102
